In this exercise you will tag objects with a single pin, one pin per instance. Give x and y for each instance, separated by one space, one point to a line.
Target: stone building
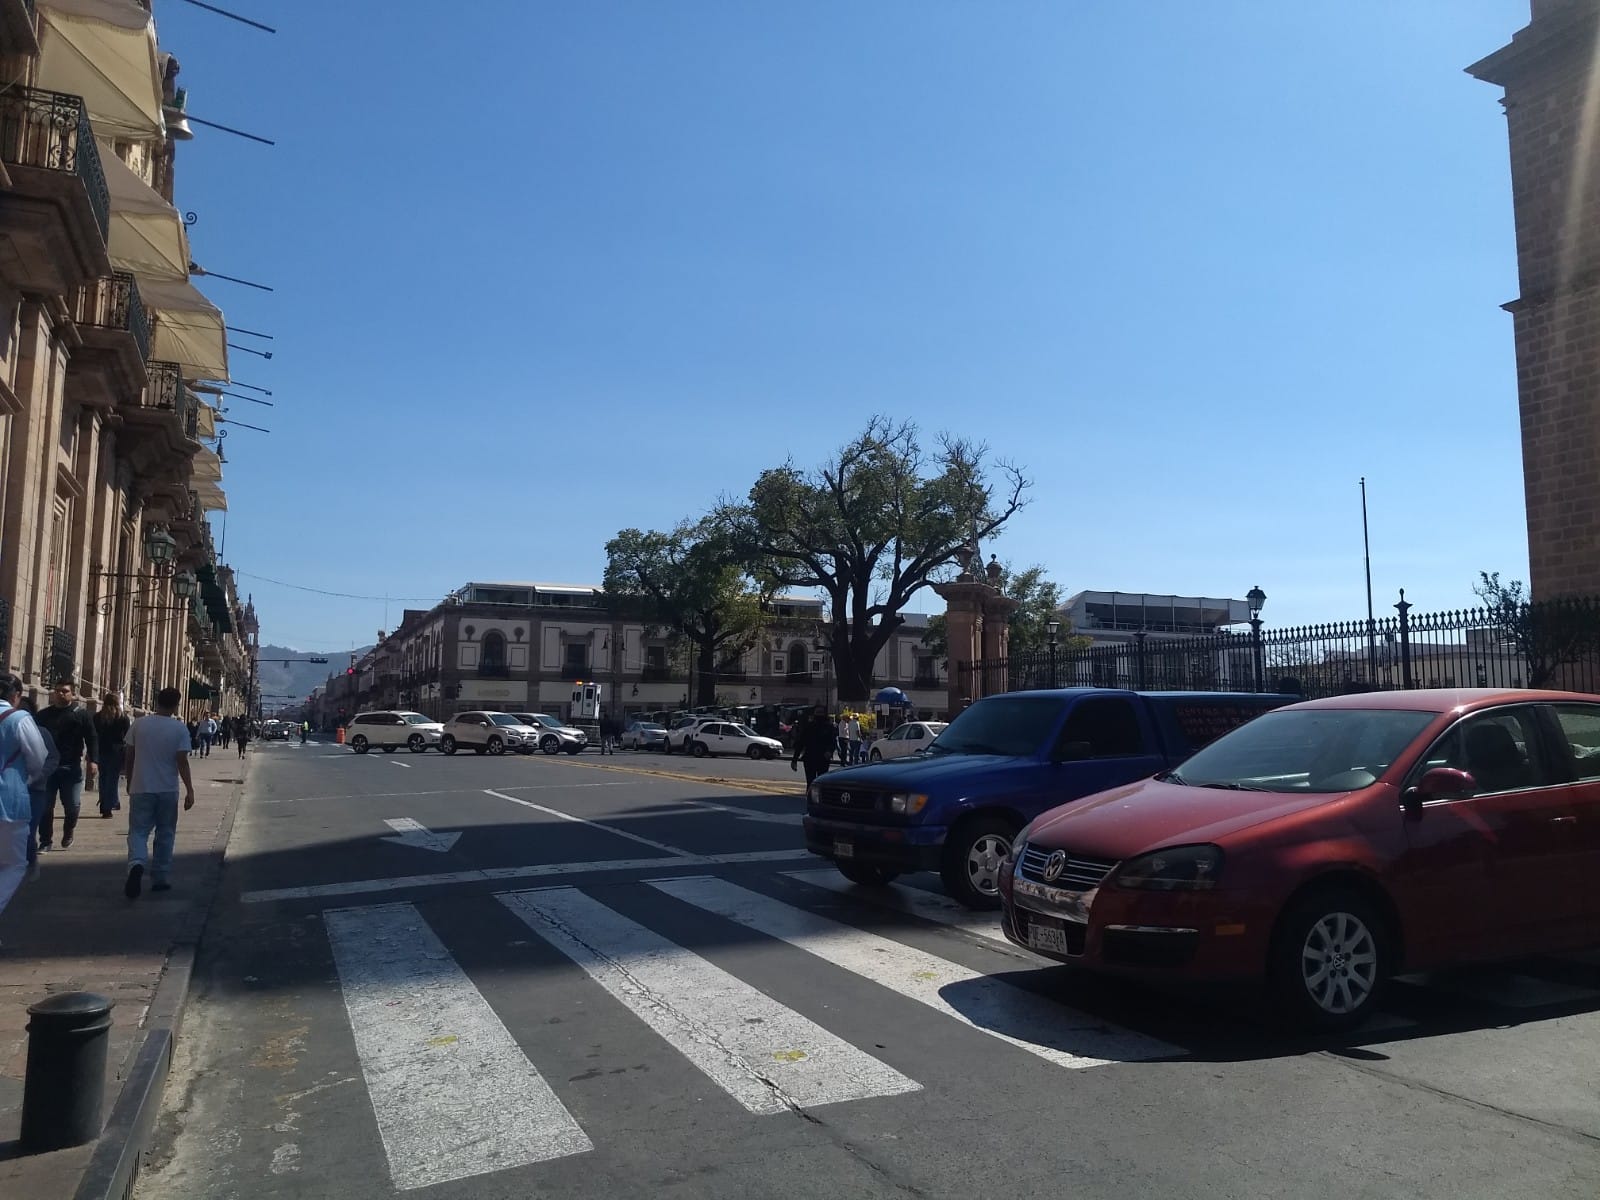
520 647
108 574
1549 73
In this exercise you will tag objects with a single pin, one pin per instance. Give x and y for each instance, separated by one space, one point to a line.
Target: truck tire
973 854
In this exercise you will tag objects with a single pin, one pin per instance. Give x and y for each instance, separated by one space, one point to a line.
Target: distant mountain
283 683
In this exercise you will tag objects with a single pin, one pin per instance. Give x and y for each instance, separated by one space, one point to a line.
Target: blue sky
547 270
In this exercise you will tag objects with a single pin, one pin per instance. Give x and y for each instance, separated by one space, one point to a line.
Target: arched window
799 659
493 653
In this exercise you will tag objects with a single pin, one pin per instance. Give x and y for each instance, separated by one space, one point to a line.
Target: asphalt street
585 977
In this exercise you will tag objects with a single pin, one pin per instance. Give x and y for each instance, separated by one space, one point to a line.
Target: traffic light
349 670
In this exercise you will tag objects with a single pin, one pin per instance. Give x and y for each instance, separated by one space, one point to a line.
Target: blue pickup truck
955 807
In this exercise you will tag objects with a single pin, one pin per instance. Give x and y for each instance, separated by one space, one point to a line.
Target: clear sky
545 270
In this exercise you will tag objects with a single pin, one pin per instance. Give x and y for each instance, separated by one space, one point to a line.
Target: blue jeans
66 783
36 799
110 768
147 812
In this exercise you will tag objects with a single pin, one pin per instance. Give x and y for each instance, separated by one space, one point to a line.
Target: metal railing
60 653
50 130
115 303
659 675
165 386
498 670
574 671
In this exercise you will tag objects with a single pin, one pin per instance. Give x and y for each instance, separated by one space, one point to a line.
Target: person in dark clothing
241 735
72 729
815 744
111 728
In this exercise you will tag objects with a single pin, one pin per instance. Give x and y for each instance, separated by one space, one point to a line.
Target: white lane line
400 883
744 814
1055 1033
453 1094
416 834
622 833
766 1056
911 900
395 762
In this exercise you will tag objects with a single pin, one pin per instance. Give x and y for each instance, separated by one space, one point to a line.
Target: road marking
395 762
417 835
623 833
453 1094
766 1056
461 791
399 883
772 787
744 814
911 900
1059 1034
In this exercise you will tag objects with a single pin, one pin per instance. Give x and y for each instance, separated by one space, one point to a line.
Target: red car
1328 845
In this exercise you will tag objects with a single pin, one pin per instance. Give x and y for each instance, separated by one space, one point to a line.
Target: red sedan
1328 845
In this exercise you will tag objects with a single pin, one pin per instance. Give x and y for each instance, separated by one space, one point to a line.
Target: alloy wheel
1339 963
984 861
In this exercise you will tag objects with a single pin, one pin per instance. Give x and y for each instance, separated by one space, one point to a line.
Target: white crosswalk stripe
453 1094
1055 1033
927 905
766 1056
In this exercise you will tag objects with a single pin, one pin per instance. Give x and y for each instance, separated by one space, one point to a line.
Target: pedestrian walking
73 729
208 734
815 743
22 761
608 734
194 736
111 730
241 735
37 789
853 728
157 758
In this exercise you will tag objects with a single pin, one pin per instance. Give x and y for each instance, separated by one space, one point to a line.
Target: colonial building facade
108 573
1548 73
520 647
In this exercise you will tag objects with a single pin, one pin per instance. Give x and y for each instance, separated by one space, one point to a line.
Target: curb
114 1166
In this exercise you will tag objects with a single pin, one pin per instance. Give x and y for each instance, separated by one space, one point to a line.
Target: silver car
487 733
644 735
552 736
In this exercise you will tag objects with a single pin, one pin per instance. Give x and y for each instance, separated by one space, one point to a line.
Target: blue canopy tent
893 697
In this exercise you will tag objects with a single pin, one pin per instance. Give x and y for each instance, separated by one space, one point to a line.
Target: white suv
554 737
681 734
388 731
487 733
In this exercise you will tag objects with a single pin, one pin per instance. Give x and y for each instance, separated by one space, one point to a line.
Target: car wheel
754 752
416 743
973 857
875 756
495 746
359 743
866 874
666 746
1330 959
770 755
388 749
447 744
550 744
700 750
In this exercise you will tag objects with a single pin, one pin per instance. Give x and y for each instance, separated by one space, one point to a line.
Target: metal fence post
1404 608
1256 655
1139 660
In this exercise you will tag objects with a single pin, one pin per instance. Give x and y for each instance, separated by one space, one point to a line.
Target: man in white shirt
157 757
22 763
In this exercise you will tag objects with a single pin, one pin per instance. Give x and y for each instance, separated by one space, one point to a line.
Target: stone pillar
976 615
77 576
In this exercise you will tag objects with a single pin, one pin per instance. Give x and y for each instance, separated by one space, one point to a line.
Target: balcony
115 330
60 655
574 670
932 682
657 675
58 211
167 411
497 670
114 304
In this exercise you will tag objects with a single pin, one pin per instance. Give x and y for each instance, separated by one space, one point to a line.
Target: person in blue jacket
22 763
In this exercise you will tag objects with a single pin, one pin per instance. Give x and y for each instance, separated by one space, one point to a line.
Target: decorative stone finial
993 570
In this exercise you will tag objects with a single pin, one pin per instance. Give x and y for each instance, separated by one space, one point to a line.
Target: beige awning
186 328
104 51
206 421
206 467
210 496
147 235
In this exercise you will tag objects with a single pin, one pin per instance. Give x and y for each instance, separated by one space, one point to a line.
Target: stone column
76 574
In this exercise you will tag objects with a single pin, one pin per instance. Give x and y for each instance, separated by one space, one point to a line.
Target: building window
577 654
494 649
656 657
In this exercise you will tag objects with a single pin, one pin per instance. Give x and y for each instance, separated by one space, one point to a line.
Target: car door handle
1567 820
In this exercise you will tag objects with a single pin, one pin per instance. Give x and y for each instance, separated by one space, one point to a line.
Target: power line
340 595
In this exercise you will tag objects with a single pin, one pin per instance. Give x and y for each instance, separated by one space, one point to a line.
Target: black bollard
65 1084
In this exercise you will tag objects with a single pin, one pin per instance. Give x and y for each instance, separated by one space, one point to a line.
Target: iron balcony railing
495 670
50 130
574 670
115 304
659 675
165 390
60 652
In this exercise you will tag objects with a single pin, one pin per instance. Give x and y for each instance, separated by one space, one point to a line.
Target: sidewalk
72 929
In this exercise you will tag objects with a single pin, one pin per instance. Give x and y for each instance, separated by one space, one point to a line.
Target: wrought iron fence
115 303
1551 644
60 653
164 388
51 130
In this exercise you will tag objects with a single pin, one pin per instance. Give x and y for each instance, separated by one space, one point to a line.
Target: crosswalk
455 1094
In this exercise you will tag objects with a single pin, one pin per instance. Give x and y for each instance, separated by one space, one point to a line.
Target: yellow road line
750 785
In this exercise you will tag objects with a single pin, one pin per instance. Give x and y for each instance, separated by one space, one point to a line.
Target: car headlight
908 803
1176 869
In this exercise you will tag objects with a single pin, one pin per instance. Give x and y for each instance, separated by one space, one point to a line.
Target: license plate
1047 937
843 850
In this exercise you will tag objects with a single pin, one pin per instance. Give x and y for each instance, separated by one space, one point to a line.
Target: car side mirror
1438 783
1072 752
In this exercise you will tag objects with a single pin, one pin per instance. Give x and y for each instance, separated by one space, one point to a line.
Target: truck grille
1080 873
853 804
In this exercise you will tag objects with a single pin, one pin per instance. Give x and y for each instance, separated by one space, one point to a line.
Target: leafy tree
1548 635
689 583
1039 600
872 527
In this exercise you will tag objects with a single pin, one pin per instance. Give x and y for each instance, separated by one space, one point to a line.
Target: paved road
478 977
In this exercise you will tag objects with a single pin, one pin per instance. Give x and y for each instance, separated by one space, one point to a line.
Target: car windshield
417 719
744 731
1008 725
546 719
1305 750
505 719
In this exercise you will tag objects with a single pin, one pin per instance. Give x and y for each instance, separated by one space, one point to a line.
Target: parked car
725 737
554 735
679 735
487 733
1329 845
998 765
390 729
906 739
643 735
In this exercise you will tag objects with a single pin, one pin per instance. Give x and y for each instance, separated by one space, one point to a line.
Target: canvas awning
206 467
210 495
186 328
147 235
205 420
104 51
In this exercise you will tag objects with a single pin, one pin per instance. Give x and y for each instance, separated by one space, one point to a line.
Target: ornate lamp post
1052 628
1257 600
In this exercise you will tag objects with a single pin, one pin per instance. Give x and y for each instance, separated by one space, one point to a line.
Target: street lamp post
816 644
1257 600
1052 628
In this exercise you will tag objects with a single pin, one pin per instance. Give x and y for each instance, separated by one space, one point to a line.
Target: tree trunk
705 685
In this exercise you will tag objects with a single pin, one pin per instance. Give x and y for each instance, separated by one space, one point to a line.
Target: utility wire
232 16
341 595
